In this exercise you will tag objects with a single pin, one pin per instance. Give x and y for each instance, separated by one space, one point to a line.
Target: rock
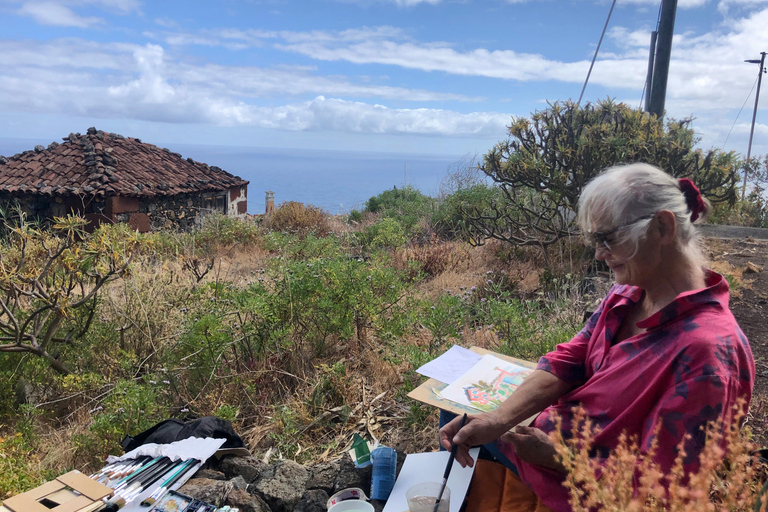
245 502
248 467
350 476
313 500
239 483
39 148
205 489
752 268
323 476
281 485
210 474
53 145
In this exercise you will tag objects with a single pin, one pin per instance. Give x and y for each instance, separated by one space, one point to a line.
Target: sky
409 76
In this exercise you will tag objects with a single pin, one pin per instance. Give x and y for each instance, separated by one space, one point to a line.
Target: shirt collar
715 293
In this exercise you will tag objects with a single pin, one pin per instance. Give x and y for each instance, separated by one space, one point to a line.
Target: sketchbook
487 384
431 391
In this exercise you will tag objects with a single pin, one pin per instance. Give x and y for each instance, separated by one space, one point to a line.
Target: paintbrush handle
449 466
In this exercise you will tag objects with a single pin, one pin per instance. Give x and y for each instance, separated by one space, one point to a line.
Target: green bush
407 205
388 233
450 219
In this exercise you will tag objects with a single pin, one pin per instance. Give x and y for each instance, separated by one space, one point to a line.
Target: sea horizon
335 180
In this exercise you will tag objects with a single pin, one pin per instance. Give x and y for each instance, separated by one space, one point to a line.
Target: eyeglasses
605 238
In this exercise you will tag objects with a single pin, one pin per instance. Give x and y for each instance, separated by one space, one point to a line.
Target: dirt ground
747 261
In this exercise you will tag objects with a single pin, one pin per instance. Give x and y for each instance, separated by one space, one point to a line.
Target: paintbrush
143 473
160 491
128 494
449 466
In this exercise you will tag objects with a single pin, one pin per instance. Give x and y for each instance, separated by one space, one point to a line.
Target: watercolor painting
487 384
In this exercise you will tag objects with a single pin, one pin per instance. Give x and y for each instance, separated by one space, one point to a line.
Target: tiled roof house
111 178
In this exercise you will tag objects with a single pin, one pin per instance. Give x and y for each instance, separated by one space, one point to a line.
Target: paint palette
177 502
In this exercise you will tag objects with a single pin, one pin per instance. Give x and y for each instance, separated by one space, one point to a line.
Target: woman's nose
601 251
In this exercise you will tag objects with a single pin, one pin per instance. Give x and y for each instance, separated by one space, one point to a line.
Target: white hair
624 193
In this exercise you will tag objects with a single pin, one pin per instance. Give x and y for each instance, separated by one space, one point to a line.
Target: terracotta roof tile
110 164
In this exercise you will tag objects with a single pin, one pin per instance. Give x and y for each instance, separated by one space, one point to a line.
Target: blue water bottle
384 461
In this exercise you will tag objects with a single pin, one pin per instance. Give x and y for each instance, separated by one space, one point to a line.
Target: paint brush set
132 478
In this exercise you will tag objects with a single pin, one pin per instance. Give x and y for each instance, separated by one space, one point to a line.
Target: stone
205 489
248 467
207 473
53 145
239 483
323 476
3 160
281 485
39 148
751 268
92 130
314 500
350 476
246 502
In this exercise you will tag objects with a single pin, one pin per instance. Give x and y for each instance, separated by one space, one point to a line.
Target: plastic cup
422 497
352 506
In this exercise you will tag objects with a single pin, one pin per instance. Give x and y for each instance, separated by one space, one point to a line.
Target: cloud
75 77
357 117
60 12
52 13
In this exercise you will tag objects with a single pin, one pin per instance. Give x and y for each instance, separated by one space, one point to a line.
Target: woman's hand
534 447
477 430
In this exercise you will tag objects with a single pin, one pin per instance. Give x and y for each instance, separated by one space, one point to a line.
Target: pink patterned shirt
691 364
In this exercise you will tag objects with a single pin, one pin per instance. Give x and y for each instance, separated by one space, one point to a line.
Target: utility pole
663 53
754 115
649 77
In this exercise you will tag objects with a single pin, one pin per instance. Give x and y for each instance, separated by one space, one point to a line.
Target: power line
737 115
594 57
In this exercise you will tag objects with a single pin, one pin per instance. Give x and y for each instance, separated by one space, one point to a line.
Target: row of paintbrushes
131 478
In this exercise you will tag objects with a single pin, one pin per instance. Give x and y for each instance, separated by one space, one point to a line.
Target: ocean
336 181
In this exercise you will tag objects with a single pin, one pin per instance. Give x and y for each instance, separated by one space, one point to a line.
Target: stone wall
179 212
284 486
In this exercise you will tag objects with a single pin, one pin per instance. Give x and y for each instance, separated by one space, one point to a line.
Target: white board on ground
429 467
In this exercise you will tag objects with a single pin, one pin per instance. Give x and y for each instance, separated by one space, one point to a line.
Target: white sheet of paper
429 467
486 384
451 365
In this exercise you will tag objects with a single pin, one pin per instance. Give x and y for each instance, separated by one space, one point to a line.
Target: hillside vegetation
301 328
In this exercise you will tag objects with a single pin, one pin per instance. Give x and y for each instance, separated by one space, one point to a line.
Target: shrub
388 233
629 479
450 219
407 205
436 257
299 219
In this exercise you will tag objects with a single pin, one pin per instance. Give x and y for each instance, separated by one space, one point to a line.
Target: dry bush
298 218
630 480
435 257
145 306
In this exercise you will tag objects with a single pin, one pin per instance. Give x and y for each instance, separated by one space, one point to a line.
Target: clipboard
429 391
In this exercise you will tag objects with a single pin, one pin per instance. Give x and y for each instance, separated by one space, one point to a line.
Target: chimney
270 202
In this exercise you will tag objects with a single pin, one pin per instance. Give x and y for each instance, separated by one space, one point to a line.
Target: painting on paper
486 384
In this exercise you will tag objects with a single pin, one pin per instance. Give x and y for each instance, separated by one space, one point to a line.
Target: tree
46 277
547 160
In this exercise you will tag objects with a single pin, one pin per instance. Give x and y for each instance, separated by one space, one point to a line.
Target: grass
297 339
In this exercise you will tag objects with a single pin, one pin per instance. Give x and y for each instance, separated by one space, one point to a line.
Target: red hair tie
693 197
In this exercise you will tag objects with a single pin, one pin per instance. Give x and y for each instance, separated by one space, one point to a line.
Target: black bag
175 429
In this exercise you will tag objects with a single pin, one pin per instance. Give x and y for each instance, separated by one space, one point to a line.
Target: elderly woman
662 355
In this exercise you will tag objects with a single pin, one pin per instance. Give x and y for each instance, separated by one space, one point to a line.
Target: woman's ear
667 227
